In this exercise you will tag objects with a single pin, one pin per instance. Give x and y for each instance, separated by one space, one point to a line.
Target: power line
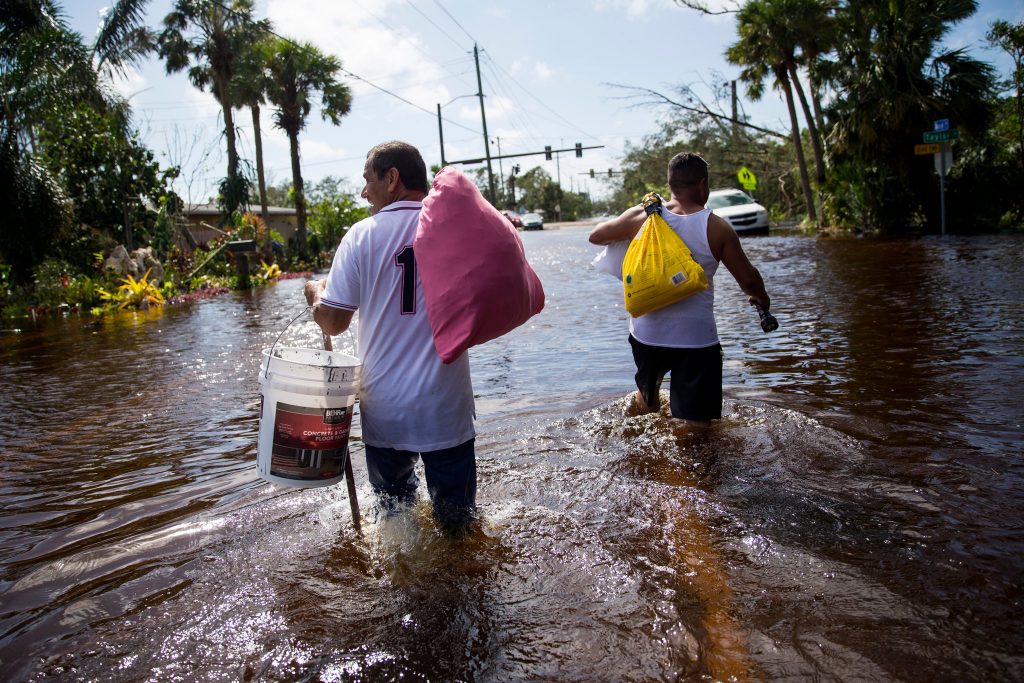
432 23
539 101
347 72
456 21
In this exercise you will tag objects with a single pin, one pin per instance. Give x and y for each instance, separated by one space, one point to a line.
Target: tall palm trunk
231 200
805 180
300 197
812 127
260 177
819 117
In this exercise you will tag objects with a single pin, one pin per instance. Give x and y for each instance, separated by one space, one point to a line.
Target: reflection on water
854 516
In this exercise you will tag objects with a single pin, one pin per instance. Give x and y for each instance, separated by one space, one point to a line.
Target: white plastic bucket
306 402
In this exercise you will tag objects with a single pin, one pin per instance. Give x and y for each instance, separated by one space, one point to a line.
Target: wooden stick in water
350 478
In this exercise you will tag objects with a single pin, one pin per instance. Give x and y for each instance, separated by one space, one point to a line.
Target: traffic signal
609 173
547 152
579 150
591 173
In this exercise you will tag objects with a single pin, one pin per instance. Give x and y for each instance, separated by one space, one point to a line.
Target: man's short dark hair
686 169
402 156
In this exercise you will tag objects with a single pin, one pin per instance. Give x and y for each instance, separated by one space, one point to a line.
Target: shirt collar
402 205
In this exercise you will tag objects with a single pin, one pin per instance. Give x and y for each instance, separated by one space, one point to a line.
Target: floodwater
856 515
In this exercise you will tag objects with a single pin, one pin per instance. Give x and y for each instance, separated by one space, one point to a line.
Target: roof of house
214 210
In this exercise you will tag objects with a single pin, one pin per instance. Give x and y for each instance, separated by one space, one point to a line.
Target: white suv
746 216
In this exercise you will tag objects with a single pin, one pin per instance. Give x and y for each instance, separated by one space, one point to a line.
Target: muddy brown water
856 515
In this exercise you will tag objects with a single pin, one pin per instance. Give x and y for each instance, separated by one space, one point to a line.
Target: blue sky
546 68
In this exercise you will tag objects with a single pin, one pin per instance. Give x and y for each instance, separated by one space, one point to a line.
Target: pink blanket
476 279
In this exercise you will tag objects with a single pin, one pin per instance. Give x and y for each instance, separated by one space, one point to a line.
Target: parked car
746 216
513 218
533 221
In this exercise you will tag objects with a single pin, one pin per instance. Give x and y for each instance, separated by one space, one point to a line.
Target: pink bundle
476 280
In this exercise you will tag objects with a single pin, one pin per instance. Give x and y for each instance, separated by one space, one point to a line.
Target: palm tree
249 89
299 72
810 25
206 36
123 39
893 80
766 46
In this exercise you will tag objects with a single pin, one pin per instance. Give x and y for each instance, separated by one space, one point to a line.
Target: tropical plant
268 271
206 37
299 74
134 293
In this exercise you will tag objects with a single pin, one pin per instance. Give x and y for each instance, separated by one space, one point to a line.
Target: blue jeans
450 474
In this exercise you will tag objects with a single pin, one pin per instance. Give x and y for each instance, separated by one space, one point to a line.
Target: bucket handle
266 370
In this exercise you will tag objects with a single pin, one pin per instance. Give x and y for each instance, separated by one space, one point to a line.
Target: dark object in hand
768 321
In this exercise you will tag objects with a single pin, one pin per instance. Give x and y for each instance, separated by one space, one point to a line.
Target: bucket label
310 443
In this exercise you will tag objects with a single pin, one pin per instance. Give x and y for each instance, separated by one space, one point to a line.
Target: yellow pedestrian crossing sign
747 178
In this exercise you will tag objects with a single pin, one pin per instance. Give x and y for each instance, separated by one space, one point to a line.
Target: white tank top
690 323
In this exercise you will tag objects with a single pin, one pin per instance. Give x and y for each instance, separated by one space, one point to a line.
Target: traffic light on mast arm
547 152
579 150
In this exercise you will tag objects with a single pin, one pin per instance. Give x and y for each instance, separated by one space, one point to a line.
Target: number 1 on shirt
406 260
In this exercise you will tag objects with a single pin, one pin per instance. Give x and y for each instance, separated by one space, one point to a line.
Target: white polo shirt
409 399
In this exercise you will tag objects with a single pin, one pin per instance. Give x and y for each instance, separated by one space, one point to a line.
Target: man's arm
623 227
330 319
726 247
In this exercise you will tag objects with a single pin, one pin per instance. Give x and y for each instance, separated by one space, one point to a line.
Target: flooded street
856 514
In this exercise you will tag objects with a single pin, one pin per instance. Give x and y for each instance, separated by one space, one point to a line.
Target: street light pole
440 129
501 173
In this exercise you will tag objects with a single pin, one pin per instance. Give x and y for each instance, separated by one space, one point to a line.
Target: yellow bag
658 269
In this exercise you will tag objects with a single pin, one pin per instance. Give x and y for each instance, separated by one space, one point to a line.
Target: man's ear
394 180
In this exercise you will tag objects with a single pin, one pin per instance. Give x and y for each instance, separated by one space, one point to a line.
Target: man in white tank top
682 338
412 405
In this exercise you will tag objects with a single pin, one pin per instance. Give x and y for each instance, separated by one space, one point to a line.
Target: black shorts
696 387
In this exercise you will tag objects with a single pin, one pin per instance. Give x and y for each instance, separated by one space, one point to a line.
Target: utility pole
558 165
440 132
483 118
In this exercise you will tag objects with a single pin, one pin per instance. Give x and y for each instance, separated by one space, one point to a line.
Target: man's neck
405 195
684 204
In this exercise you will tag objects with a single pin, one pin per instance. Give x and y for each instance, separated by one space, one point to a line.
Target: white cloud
543 71
366 44
634 8
130 85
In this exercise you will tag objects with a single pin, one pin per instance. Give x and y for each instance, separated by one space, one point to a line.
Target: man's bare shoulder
720 234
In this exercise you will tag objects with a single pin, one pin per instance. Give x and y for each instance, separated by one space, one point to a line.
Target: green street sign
941 135
747 178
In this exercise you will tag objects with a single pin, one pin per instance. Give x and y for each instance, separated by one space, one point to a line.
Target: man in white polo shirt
412 405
